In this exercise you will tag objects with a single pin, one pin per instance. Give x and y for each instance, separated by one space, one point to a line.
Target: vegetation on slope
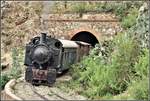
119 71
116 69
16 68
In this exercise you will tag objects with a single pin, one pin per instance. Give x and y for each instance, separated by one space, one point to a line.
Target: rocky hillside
22 22
17 22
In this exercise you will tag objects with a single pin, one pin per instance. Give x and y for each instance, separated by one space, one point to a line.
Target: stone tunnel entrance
85 36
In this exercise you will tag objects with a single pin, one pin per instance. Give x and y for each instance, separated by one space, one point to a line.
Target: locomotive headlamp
41 54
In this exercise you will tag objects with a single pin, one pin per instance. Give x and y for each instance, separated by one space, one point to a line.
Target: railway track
44 98
26 91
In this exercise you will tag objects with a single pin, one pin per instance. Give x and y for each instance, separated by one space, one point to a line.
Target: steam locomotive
45 57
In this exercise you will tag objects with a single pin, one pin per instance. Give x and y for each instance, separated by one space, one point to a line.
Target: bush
79 8
141 28
120 10
99 76
4 79
112 66
141 67
130 19
139 90
16 67
126 52
16 70
139 87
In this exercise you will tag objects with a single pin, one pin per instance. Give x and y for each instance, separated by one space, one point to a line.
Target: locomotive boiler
45 57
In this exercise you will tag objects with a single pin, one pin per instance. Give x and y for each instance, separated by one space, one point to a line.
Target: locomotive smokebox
41 54
43 37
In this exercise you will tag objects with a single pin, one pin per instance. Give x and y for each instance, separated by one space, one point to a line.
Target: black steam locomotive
45 57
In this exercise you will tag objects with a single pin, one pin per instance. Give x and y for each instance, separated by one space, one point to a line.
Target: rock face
22 22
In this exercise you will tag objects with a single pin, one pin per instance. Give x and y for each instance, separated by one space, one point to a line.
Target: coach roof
68 43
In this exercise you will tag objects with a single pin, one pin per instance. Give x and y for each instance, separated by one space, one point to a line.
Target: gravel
26 91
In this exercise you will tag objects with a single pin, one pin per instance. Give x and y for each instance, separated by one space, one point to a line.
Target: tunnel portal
85 37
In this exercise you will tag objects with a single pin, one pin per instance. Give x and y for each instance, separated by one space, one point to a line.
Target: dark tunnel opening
85 37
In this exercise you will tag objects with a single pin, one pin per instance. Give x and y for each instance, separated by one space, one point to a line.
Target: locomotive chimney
43 37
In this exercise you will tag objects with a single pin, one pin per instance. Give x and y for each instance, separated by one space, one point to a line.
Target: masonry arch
85 35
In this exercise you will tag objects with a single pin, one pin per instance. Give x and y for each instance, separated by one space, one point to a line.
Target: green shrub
126 52
141 67
129 20
141 28
4 79
16 67
79 8
99 76
120 10
112 66
111 71
139 90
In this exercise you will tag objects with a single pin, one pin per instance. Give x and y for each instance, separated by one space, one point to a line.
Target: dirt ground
26 91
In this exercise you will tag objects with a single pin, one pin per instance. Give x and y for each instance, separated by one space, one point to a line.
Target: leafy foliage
141 67
130 19
118 7
16 70
16 67
140 29
139 89
4 79
139 86
80 8
100 77
119 66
